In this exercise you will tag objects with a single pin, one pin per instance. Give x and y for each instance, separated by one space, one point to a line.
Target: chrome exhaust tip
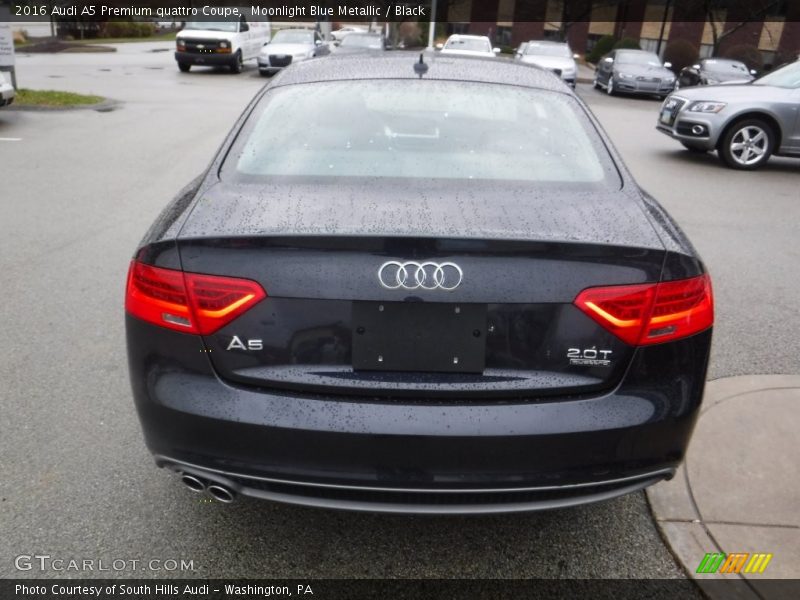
193 483
221 493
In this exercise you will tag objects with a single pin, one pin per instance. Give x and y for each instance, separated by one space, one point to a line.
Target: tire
695 149
595 84
184 67
237 65
610 87
747 145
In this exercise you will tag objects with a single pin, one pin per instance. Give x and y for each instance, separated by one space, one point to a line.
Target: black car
713 71
634 72
374 307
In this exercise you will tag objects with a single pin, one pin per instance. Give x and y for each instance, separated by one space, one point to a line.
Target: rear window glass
419 129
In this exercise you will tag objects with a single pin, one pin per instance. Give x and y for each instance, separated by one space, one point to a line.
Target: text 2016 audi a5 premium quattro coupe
424 287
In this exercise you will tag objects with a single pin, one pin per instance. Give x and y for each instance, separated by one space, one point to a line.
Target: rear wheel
184 67
238 63
747 145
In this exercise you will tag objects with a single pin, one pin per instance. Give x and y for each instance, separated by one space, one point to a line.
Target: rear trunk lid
497 322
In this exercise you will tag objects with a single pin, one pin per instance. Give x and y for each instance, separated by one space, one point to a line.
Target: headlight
669 79
624 76
707 107
180 43
223 44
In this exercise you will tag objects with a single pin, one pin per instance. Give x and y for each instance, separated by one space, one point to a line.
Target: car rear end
393 318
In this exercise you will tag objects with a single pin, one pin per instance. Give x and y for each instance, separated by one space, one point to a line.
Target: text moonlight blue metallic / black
427 291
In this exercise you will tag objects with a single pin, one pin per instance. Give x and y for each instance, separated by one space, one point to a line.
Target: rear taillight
188 302
651 313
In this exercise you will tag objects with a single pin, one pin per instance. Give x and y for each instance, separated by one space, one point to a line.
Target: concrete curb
106 105
739 488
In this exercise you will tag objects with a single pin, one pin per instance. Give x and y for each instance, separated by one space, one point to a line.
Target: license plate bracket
419 337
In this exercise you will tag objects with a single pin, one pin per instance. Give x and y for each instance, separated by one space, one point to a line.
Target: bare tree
750 10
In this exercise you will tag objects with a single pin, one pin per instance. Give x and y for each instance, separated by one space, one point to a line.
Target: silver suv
745 123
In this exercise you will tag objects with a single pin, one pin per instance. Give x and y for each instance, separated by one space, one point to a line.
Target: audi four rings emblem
412 275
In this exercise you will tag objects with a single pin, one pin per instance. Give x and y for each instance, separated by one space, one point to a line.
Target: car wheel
238 64
695 149
595 83
184 67
747 144
610 86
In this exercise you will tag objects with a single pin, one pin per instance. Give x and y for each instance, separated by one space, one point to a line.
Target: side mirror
439 46
496 50
668 65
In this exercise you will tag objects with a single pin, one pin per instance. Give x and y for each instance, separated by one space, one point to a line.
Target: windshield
725 67
549 50
638 58
232 26
786 77
471 45
419 129
293 37
362 41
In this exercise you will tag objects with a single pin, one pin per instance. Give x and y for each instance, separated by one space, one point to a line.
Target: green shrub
627 43
127 29
747 53
681 53
603 46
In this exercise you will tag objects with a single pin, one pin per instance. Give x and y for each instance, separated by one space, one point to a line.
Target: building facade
772 26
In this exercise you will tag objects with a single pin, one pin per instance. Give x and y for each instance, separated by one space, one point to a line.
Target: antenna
420 68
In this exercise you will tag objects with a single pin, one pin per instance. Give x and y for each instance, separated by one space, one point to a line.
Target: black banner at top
499 11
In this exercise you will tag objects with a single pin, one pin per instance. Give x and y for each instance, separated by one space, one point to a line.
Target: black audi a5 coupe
417 284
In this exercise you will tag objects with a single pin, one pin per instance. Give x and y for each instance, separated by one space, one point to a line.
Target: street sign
6 45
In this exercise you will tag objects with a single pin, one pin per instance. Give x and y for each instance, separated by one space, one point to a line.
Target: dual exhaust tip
217 491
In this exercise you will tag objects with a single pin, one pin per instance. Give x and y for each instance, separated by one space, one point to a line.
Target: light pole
432 30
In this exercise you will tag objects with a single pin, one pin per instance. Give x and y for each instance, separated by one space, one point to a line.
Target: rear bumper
210 60
437 456
418 500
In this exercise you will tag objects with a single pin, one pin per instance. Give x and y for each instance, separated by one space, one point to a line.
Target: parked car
634 72
520 50
223 43
554 56
341 33
713 71
744 123
362 42
291 46
383 312
468 45
7 91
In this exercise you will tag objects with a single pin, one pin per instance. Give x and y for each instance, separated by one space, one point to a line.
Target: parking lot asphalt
80 189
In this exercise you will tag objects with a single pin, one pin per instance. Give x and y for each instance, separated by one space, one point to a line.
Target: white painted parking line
10 139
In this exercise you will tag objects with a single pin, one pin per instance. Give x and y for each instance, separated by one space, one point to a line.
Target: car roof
400 65
547 43
462 36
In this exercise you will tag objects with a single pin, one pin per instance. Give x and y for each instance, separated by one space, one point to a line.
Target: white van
220 43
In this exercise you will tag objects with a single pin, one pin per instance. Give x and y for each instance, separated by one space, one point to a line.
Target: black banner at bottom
356 589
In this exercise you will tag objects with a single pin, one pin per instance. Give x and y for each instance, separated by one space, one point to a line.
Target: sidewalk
585 73
739 489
